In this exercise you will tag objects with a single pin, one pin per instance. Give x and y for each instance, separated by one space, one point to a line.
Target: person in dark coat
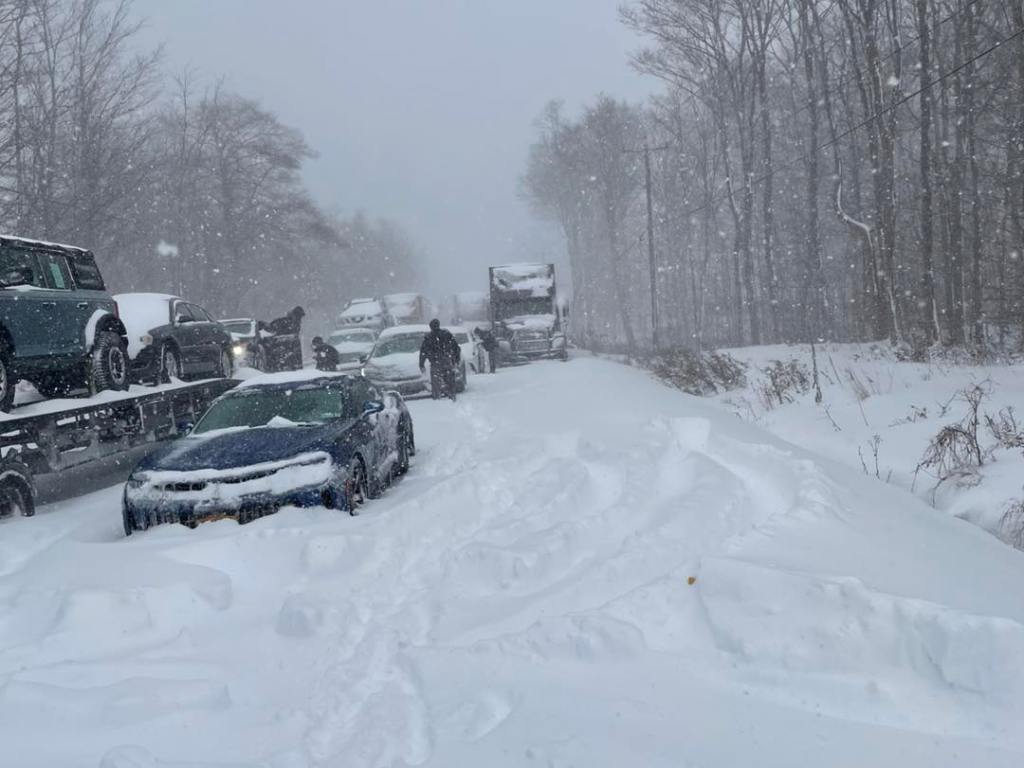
490 344
326 356
284 347
442 351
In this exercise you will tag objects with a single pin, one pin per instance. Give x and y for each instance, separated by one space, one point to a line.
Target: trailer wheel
109 362
16 492
7 380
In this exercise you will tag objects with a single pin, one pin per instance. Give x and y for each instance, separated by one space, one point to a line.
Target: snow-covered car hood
401 365
354 347
239 448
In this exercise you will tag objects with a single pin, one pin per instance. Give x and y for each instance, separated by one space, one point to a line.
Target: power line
853 129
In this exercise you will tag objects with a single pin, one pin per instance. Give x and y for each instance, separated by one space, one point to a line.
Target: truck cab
526 313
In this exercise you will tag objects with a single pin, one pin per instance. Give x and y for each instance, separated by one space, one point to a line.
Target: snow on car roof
362 307
281 378
404 330
141 313
41 243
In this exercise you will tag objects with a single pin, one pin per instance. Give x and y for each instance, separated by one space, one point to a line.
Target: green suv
59 328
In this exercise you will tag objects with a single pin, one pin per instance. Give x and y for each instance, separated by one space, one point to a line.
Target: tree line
819 169
177 186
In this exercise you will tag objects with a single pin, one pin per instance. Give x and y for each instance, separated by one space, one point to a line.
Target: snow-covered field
584 568
878 416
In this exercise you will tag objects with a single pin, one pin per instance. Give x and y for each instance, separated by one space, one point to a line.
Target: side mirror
185 427
363 359
372 406
16 276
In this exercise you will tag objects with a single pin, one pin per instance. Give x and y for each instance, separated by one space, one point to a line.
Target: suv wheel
109 362
226 364
170 364
7 381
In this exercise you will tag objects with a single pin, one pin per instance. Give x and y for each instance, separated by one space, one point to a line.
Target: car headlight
238 350
136 481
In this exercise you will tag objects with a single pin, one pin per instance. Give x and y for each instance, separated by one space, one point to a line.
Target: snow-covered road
584 568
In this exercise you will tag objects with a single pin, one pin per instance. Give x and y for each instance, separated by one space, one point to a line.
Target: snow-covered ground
584 568
879 415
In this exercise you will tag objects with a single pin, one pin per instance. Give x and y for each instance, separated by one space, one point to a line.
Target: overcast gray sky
420 110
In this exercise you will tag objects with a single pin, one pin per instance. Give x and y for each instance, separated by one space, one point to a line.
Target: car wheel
15 495
357 489
170 364
411 436
109 362
226 365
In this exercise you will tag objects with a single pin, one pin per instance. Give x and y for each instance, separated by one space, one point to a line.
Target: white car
473 354
354 346
394 362
364 313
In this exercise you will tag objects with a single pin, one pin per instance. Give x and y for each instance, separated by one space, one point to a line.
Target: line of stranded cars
297 437
292 438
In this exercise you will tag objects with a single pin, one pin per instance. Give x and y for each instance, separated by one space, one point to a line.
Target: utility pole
650 250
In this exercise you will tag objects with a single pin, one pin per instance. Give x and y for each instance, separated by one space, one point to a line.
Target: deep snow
584 568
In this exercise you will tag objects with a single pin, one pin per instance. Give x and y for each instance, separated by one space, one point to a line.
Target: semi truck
526 313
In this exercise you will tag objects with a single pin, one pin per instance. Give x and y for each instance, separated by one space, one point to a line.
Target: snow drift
584 568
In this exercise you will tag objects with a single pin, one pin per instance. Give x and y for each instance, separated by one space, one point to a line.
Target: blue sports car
299 438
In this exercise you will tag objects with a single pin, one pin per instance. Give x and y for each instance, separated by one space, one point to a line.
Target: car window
55 270
462 338
182 313
87 274
200 314
397 345
25 261
258 407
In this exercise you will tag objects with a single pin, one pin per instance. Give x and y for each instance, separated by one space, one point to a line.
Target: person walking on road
442 351
325 355
490 344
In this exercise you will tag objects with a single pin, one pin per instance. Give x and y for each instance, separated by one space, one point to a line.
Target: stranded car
395 360
354 346
365 313
170 338
246 347
297 438
59 327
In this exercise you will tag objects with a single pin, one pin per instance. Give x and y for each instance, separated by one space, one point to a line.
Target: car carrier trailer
48 437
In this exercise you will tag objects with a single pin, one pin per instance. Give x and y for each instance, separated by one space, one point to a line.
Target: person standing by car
326 356
441 349
490 345
284 347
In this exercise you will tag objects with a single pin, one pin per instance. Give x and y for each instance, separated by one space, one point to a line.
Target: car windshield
396 345
241 327
355 335
462 337
257 407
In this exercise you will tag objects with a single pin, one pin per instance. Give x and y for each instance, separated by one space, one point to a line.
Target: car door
25 310
59 306
209 339
377 424
186 335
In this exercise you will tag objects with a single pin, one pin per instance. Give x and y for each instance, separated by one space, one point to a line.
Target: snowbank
584 568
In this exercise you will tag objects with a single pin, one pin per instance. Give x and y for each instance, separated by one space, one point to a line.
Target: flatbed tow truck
51 436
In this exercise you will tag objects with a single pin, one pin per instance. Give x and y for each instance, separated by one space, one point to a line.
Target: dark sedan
301 438
170 338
